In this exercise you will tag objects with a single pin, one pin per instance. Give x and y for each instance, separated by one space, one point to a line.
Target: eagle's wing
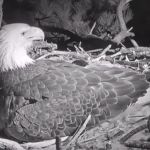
55 98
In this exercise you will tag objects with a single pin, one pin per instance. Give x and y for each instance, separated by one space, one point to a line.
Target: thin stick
91 31
74 138
105 50
131 133
138 144
95 50
102 54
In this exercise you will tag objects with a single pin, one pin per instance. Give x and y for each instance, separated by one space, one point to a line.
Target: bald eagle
41 99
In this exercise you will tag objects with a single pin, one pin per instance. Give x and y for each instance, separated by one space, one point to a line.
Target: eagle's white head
15 40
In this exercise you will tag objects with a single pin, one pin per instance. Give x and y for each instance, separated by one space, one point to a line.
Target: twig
102 54
124 31
131 133
74 138
91 31
120 14
44 44
116 54
44 56
95 50
135 44
105 50
61 53
122 35
138 144
139 51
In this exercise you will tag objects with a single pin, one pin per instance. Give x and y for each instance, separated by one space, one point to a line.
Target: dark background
24 11
141 20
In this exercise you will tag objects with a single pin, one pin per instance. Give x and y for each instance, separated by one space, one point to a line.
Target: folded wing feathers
67 93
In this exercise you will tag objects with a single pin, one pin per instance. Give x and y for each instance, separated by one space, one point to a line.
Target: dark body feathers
48 98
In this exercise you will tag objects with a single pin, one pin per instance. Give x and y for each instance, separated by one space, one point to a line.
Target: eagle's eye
23 33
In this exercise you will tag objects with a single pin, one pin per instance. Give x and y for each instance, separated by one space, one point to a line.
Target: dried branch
120 14
132 132
101 55
74 138
124 31
91 31
138 144
136 52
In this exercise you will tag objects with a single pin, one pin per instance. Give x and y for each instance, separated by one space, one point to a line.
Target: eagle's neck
13 57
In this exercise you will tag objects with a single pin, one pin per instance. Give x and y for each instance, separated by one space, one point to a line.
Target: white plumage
15 40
